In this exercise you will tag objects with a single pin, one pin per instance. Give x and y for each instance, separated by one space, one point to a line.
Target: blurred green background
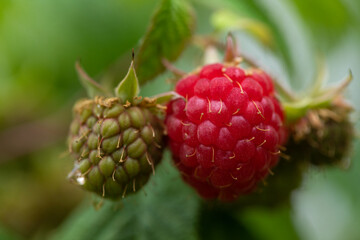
40 41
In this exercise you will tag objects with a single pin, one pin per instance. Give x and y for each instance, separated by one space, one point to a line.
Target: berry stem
231 51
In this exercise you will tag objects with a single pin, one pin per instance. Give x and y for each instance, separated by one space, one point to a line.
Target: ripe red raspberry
225 133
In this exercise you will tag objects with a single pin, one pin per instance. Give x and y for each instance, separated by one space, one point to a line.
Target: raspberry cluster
226 131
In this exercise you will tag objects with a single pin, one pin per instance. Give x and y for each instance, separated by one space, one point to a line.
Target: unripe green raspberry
324 136
116 145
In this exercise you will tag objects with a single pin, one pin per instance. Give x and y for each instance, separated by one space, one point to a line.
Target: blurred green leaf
41 179
170 30
218 223
7 235
40 41
326 20
327 207
223 20
270 224
167 211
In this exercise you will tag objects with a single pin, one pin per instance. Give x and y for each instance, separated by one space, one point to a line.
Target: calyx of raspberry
316 97
116 140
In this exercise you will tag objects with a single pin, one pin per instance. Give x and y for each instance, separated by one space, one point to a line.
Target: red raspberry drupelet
226 131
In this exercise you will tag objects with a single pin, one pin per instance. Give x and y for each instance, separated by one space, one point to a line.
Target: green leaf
91 86
128 88
170 30
167 211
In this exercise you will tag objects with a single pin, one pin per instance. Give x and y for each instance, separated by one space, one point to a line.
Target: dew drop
80 180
